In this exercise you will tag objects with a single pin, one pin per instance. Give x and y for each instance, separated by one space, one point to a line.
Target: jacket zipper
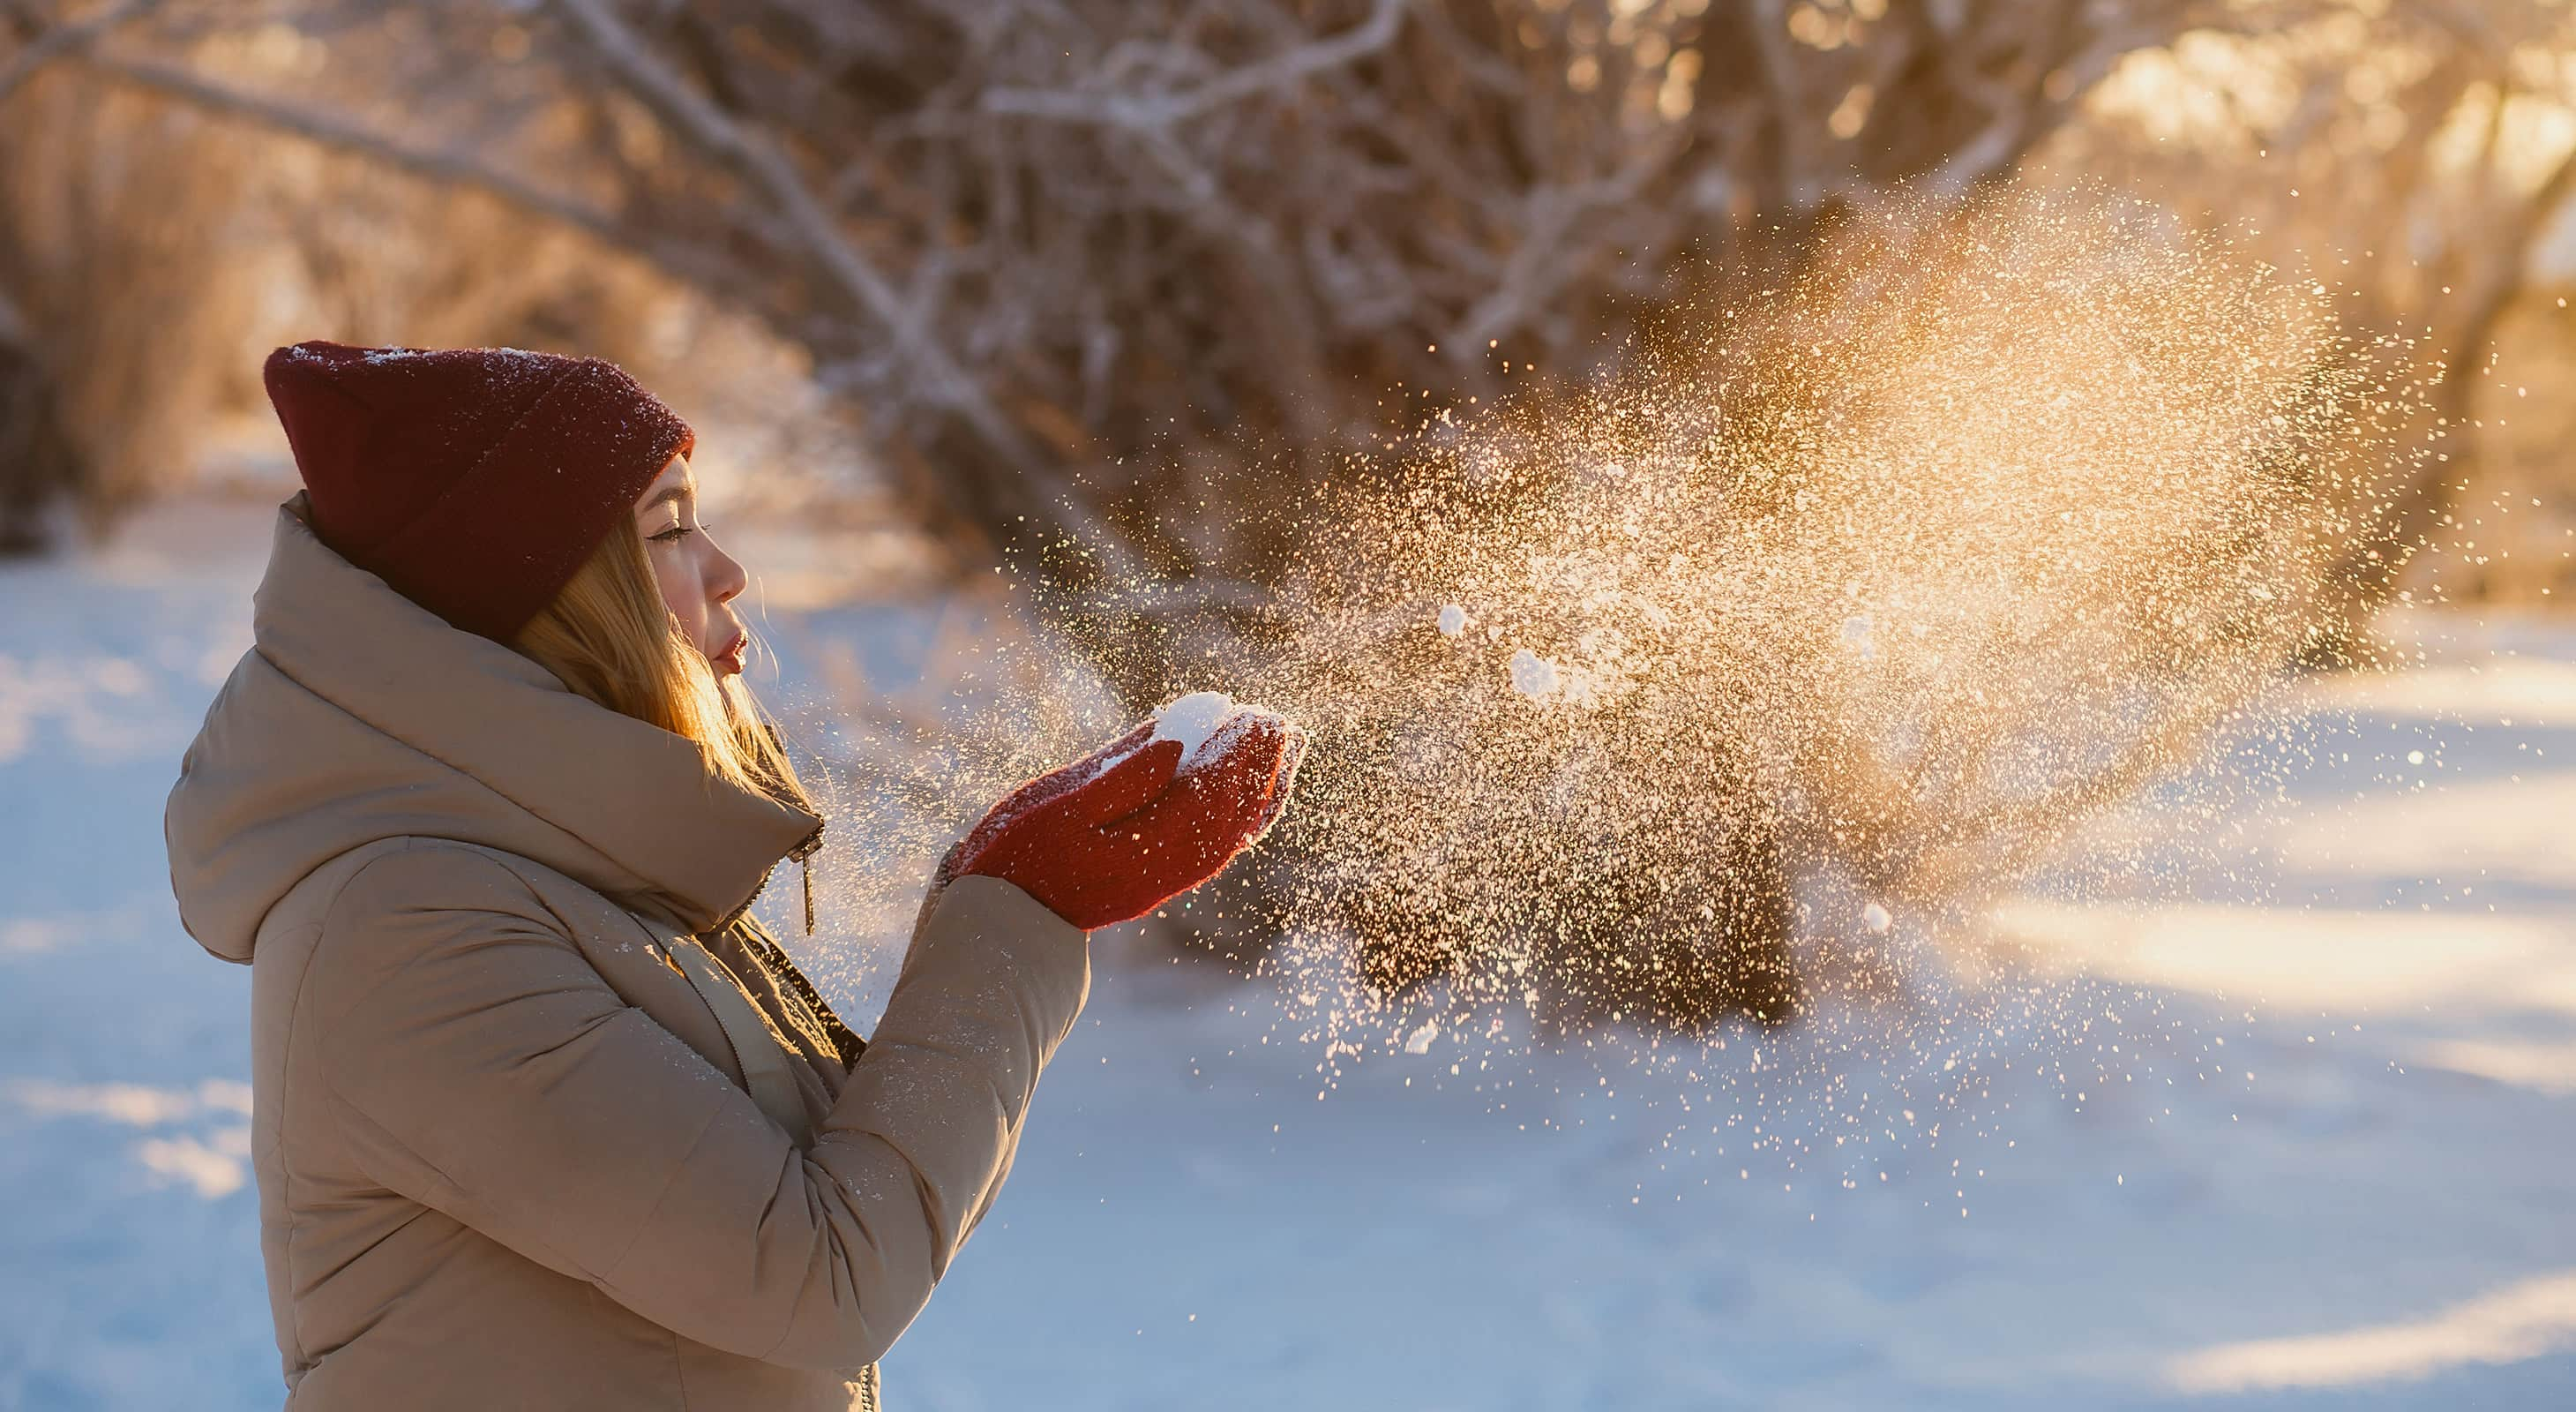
799 855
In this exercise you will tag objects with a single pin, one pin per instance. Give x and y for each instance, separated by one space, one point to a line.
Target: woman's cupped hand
1118 833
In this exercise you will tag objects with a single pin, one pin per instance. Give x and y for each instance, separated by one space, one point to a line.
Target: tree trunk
39 463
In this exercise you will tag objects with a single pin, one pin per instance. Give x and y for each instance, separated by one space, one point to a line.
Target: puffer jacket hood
359 715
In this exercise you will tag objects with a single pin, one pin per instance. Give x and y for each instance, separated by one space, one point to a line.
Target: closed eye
675 534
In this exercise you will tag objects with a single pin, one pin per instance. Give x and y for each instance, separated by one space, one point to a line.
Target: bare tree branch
66 39
1274 75
450 168
701 122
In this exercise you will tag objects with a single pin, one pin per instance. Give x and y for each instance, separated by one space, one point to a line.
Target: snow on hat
475 481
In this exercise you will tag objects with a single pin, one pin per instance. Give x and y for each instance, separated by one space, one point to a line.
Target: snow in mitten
1115 835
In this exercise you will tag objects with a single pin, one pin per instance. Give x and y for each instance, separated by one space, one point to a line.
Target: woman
542 1119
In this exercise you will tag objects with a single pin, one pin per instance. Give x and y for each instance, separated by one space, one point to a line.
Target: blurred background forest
1125 287
995 269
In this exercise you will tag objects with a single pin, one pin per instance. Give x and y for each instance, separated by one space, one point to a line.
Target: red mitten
1118 833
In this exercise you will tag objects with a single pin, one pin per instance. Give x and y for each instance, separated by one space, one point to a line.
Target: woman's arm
483 1068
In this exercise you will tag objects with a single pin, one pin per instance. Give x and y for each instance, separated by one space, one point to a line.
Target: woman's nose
726 579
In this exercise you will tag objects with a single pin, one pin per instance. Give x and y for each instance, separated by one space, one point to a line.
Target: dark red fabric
475 481
1117 834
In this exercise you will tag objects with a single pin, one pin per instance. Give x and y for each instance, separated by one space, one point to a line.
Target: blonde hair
611 638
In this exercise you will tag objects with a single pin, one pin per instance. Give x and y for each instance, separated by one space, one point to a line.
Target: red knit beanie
475 481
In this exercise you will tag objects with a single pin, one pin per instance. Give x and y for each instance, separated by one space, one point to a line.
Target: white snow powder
1875 918
1533 675
1419 1042
1453 620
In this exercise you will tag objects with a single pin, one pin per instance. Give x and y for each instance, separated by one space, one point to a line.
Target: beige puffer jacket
521 1146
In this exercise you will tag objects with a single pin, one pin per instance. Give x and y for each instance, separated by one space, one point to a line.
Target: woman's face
699 581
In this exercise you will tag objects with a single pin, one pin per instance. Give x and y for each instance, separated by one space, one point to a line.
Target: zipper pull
804 853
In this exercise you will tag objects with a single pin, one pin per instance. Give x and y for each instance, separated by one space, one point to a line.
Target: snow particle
1876 918
1453 620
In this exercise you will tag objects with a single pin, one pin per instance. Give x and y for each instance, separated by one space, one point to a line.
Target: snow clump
1533 675
1206 723
1859 637
1193 721
1453 620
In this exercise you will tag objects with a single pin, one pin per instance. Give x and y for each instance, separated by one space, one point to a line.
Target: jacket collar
632 807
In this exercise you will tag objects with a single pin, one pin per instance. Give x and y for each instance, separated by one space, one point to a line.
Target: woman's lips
730 659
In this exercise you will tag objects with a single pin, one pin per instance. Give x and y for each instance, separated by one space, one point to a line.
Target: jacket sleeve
481 1066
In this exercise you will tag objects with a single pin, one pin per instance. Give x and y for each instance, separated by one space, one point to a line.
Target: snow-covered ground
2326 1165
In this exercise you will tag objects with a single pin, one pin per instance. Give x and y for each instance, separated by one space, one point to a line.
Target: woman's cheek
672 574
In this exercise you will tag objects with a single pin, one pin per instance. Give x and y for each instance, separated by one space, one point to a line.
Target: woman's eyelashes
675 534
